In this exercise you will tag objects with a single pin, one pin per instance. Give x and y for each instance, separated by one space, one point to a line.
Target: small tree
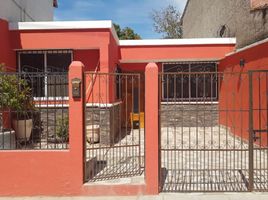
126 33
167 22
15 93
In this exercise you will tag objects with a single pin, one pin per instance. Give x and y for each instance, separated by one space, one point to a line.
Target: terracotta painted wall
137 67
56 172
101 88
84 42
39 173
90 58
60 39
234 91
109 53
7 55
113 61
175 52
65 39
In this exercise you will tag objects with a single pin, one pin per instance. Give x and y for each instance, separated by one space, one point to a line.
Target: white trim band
61 25
108 24
54 25
247 47
192 41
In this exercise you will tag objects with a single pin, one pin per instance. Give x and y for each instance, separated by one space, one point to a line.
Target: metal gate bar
258 88
205 124
113 140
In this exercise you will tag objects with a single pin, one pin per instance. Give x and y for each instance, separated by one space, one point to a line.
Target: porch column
151 130
76 121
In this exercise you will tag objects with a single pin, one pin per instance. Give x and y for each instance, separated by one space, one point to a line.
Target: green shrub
16 95
62 129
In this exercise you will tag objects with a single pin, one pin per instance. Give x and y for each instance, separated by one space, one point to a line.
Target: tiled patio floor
123 159
209 159
193 159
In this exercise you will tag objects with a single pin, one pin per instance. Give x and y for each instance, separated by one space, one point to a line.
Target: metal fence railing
114 126
34 111
213 131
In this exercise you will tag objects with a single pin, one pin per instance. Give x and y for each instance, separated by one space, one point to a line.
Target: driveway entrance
213 131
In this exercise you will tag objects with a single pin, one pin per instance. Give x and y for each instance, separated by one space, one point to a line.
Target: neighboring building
244 19
27 10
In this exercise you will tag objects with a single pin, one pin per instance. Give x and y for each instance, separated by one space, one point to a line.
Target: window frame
189 99
44 53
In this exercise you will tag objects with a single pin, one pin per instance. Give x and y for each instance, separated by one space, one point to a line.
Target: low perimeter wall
60 172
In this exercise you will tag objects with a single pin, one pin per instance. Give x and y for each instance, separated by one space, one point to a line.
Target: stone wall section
193 115
108 120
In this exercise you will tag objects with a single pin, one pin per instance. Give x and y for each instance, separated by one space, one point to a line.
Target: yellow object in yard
137 119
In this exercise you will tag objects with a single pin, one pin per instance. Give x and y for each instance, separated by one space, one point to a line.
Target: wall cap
65 25
247 47
177 42
108 24
51 25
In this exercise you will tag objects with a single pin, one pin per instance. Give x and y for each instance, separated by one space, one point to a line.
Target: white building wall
26 10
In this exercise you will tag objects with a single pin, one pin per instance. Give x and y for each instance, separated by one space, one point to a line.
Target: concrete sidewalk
162 196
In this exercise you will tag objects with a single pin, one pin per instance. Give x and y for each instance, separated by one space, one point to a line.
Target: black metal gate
206 118
258 127
114 126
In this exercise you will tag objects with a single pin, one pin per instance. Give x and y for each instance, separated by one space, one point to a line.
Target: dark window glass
32 62
57 84
50 80
58 62
203 81
176 86
193 81
33 65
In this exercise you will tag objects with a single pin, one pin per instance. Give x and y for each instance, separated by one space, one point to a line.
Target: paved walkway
209 159
163 196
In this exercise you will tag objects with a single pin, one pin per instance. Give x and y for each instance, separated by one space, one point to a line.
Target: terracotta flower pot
93 133
23 129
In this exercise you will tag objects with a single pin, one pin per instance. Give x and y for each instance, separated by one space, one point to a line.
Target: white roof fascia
177 42
107 24
51 25
60 25
248 47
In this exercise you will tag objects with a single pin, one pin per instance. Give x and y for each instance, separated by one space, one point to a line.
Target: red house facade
167 89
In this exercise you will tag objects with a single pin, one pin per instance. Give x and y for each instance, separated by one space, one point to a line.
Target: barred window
189 81
42 68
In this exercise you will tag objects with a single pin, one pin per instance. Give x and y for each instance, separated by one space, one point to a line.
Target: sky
132 13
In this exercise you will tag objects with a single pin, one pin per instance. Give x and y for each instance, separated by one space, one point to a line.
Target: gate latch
255 137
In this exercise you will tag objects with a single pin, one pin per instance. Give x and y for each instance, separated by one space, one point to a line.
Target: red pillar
151 129
76 121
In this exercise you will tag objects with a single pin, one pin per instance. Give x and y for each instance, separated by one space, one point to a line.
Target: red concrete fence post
76 119
151 129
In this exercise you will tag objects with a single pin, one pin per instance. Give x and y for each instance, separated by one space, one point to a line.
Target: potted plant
16 97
